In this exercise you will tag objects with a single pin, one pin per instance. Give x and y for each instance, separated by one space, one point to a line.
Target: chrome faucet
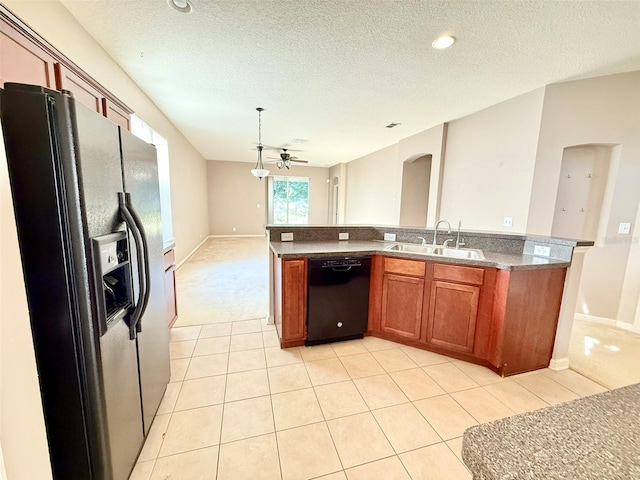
435 230
458 242
424 241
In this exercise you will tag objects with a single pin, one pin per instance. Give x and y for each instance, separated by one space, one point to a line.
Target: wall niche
582 187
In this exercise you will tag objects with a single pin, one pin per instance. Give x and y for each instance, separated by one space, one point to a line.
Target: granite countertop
592 438
328 248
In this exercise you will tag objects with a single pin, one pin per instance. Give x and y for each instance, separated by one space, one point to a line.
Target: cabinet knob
339 324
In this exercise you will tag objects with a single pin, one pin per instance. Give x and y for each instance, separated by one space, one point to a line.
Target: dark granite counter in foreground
501 250
503 261
592 438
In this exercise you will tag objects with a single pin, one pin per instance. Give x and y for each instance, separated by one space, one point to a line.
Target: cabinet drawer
455 273
404 267
169 259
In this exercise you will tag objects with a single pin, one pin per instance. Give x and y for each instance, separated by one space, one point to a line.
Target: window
143 131
289 200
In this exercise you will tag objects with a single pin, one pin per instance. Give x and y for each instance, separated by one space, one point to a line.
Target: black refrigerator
87 208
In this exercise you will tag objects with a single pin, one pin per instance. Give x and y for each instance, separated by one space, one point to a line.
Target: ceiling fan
286 158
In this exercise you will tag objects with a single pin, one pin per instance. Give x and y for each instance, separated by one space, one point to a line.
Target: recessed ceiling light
182 6
444 41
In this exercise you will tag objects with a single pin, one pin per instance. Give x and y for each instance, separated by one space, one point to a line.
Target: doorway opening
414 203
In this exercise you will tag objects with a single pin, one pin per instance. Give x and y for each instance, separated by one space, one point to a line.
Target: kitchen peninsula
493 302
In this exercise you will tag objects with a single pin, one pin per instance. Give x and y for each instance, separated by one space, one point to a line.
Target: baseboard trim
237 236
184 260
558 364
607 321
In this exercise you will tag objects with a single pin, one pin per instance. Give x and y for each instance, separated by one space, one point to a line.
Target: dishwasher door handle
340 269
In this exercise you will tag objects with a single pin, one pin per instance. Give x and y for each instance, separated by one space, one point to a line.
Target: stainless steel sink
470 253
438 251
413 248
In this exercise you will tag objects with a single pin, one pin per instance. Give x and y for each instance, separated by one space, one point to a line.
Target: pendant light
259 171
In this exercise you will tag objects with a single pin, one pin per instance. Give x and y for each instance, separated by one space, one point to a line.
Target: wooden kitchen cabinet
28 58
22 60
170 286
290 300
402 297
524 319
83 91
453 306
116 113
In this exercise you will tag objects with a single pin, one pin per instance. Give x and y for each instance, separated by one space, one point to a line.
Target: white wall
373 194
374 182
489 163
604 111
234 196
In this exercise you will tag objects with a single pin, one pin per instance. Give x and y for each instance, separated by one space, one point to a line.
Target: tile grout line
157 456
273 415
224 394
324 418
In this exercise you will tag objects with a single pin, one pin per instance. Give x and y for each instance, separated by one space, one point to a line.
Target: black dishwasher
338 299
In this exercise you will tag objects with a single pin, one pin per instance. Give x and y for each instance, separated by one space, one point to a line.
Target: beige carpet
225 280
605 354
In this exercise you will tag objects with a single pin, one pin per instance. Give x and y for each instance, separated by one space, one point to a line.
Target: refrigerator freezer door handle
130 222
145 257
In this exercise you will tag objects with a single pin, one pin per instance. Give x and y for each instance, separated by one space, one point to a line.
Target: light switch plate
389 237
286 237
507 222
542 250
343 236
624 228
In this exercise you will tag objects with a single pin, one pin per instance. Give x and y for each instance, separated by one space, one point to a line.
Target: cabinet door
23 61
294 299
116 114
402 305
84 92
453 310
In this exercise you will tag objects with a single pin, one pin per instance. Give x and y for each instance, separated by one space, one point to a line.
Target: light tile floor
238 407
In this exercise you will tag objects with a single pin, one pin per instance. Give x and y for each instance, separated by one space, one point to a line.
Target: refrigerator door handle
145 257
131 224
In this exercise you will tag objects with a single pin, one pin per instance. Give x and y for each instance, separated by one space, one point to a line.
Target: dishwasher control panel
342 262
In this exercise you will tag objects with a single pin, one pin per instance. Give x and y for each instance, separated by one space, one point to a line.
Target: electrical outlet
624 229
389 237
507 222
542 250
286 237
343 236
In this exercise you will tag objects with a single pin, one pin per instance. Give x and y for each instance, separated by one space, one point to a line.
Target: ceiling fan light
259 172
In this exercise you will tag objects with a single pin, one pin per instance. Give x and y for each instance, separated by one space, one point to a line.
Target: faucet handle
424 242
446 242
460 243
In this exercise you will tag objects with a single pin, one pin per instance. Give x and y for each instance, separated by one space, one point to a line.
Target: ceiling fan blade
298 160
290 149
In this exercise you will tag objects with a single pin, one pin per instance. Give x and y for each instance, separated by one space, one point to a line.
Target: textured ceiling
335 72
